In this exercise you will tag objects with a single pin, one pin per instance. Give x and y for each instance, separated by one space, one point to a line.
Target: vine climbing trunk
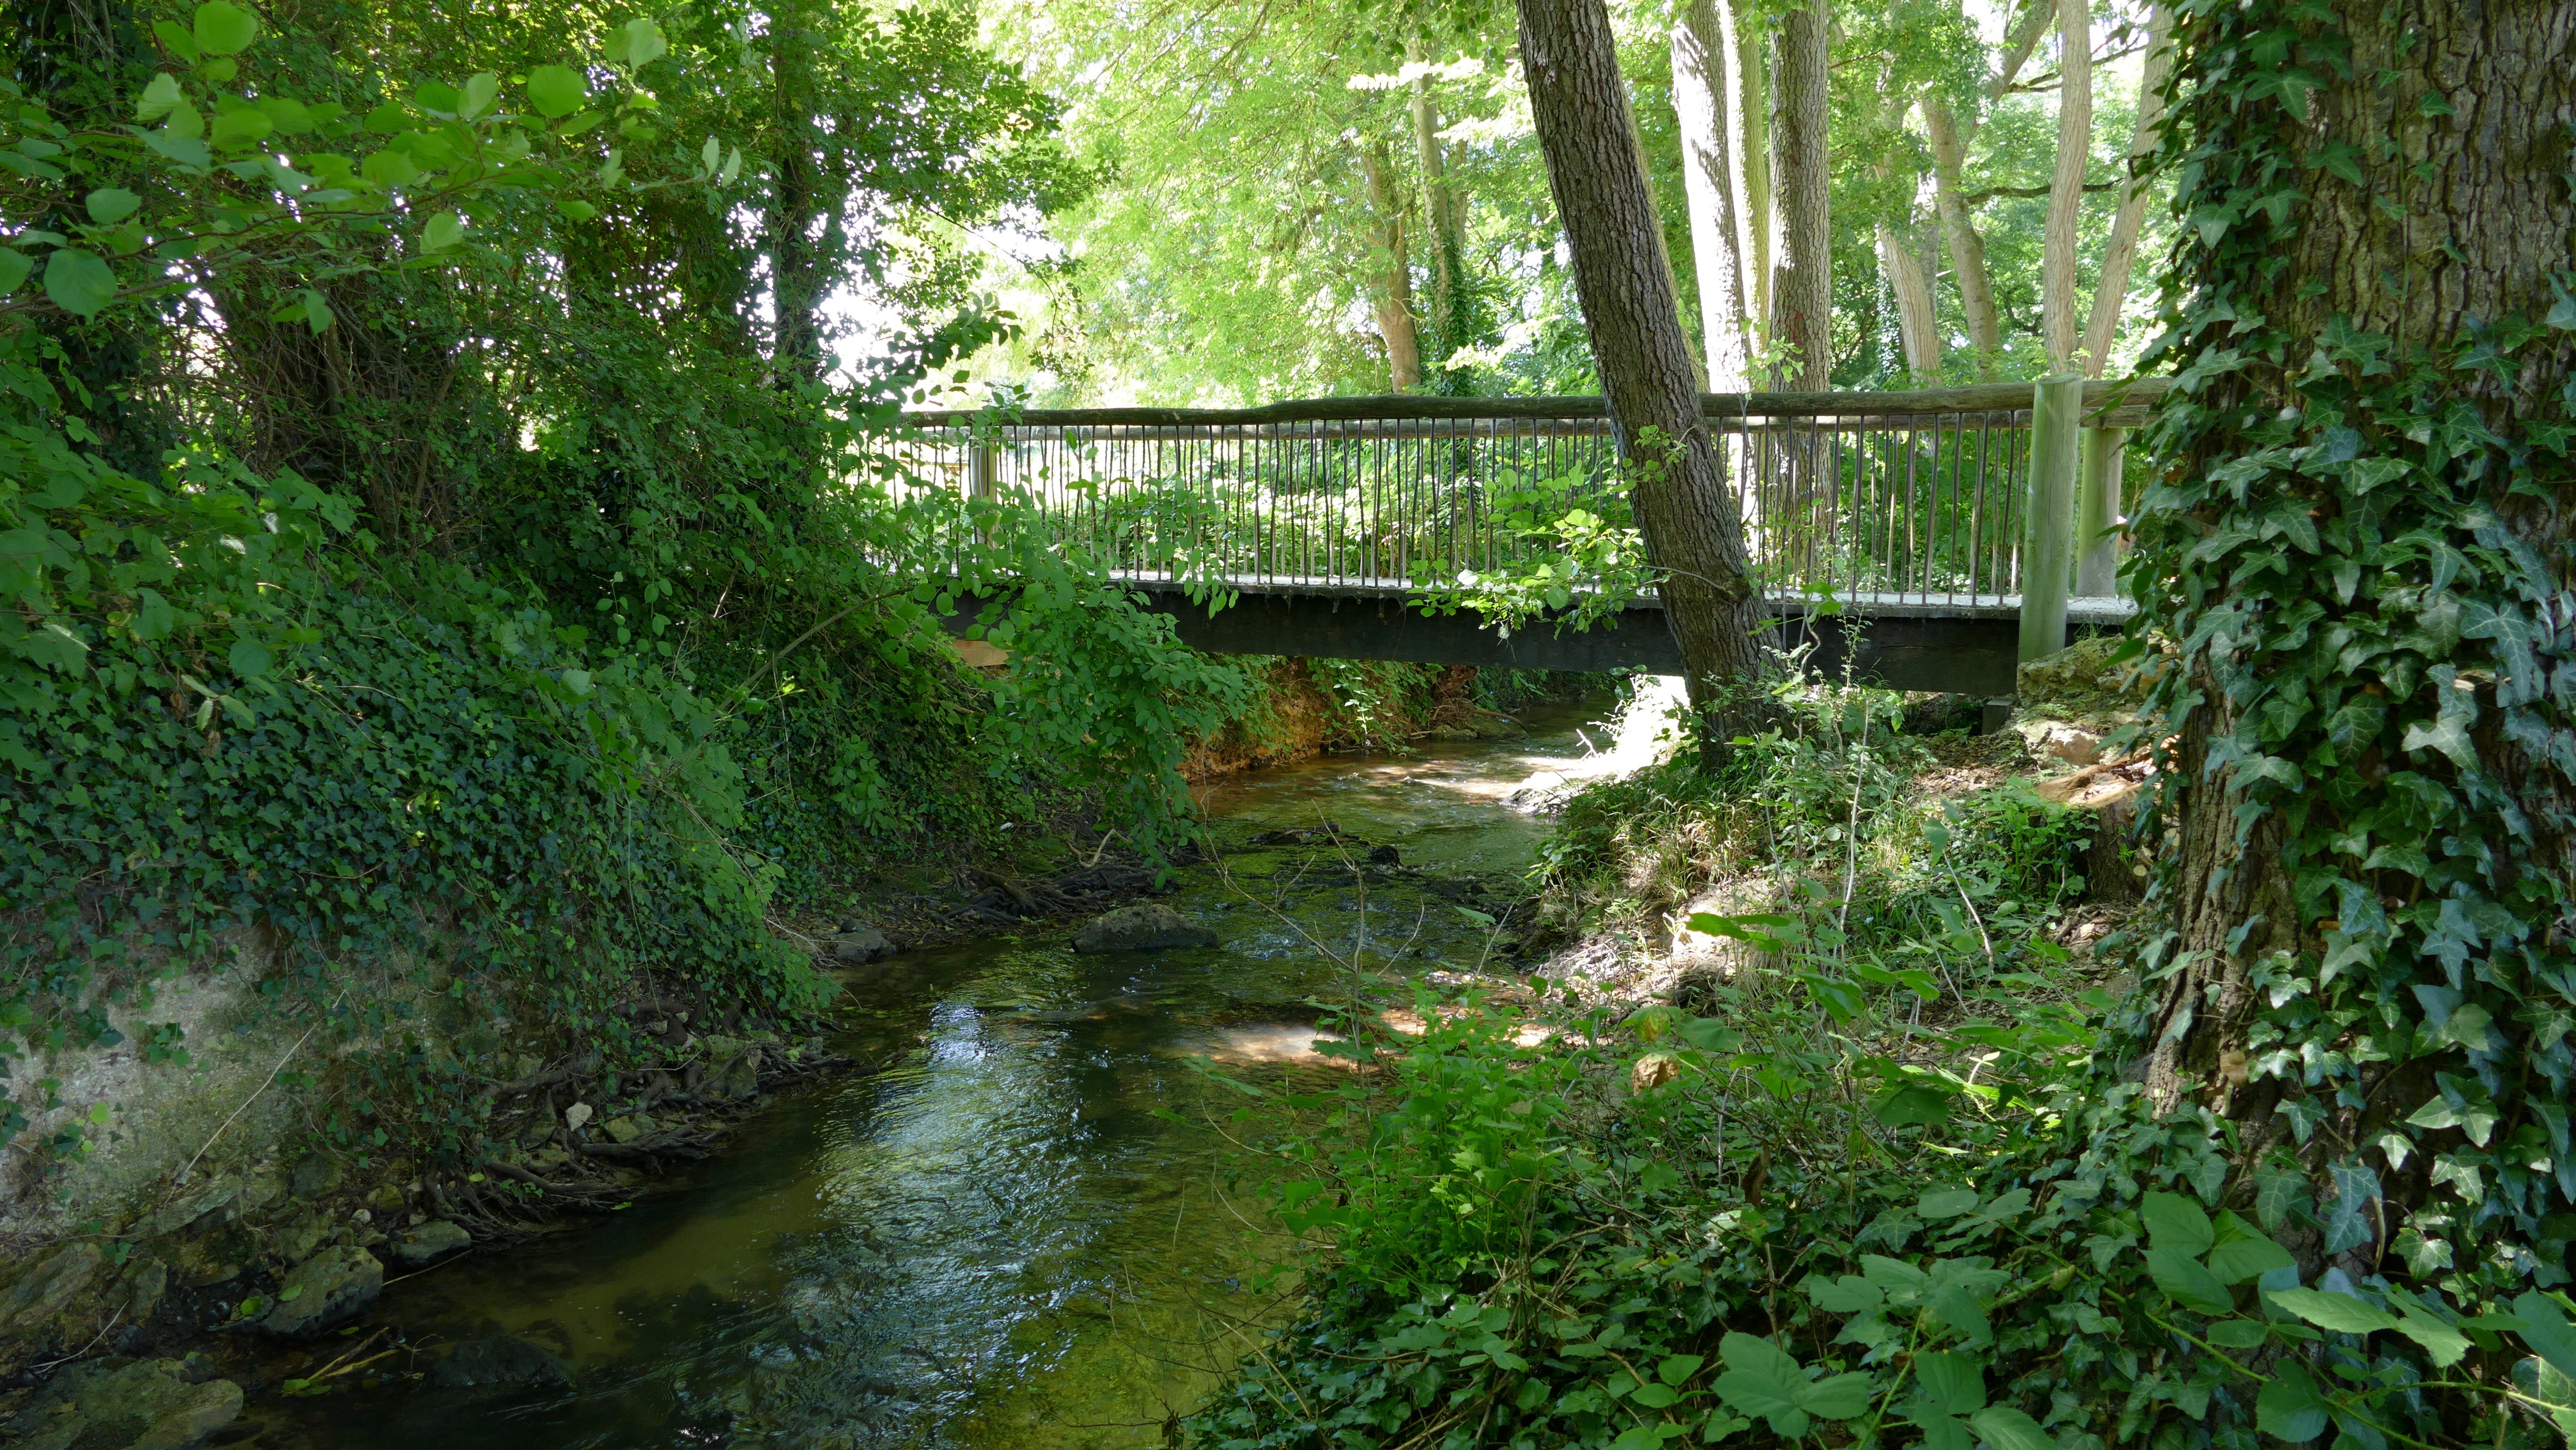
1440 203
796 211
2361 542
1688 516
1391 290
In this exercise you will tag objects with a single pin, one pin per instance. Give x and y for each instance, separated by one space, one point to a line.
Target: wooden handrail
2125 395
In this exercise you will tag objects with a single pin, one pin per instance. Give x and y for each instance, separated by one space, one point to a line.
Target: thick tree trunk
1918 327
1391 290
1702 81
1440 204
1687 514
2066 186
2111 288
2369 836
1802 285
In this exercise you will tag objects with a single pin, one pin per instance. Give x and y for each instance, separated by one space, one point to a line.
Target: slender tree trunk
2111 288
2066 186
1949 137
1748 160
1802 286
2368 838
1918 327
795 213
1391 291
1684 509
1701 81
1440 204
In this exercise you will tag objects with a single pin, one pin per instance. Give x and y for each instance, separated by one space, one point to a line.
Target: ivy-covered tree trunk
2359 554
1597 174
1391 291
796 211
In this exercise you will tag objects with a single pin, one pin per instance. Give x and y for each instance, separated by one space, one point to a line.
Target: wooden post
2048 540
2097 512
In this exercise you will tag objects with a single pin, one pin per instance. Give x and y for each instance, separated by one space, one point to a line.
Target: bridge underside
1960 646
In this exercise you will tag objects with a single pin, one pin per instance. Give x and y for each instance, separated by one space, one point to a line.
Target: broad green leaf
79 282
2175 1222
290 116
2443 1345
14 267
317 311
557 91
175 40
1947 1204
1954 1383
390 168
224 28
1893 1275
112 204
1678 1368
1957 1307
2290 1406
2341 1313
242 127
444 231
2005 1428
1850 1294
1910 1104
158 98
2238 1260
481 90
637 44
250 659
1755 1355
1840 1397
2238 1333
1654 1396
2546 1330
2188 1282
711 155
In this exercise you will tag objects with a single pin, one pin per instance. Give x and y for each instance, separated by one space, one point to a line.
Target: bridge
1928 539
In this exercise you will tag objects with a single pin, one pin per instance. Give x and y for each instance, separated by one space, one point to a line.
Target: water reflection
1023 1235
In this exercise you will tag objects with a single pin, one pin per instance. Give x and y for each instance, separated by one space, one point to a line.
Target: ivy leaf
1678 1368
249 658
2339 1313
2005 1428
78 282
2188 1282
224 28
2175 1222
557 91
2447 735
2291 1406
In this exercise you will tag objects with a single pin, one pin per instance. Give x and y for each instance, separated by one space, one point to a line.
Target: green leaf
249 658
637 44
2238 1333
1678 1368
2340 1313
290 1294
242 127
1910 1104
14 267
1947 1204
2238 1260
2175 1222
444 230
2005 1428
390 168
112 204
175 40
1850 1294
1842 1397
158 98
1954 1383
2546 1330
317 311
78 282
481 90
1654 1396
557 91
224 28
2187 1282
2290 1406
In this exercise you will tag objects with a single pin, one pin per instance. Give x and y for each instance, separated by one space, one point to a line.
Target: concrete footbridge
1928 539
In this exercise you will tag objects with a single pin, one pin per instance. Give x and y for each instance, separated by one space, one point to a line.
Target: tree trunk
1949 138
1440 204
2111 287
2369 809
1918 327
1802 286
1701 80
2066 187
1391 291
795 212
1748 160
1684 509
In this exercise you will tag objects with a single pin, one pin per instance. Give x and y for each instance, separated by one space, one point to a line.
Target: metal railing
1901 498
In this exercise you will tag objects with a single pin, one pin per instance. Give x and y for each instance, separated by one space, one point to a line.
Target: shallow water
1029 1231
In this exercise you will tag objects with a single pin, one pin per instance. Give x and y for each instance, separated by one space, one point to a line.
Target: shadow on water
1027 1232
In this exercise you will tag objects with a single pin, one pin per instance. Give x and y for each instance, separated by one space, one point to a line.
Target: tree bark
795 210
2453 114
1802 286
2111 288
1684 509
2066 186
1391 290
1949 137
1918 326
1440 204
1748 157
1702 81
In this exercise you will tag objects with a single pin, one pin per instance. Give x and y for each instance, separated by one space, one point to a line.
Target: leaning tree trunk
1949 137
2358 555
2111 286
1391 291
1802 286
1684 508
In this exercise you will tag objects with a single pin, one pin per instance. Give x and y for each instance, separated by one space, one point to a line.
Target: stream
1031 1229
